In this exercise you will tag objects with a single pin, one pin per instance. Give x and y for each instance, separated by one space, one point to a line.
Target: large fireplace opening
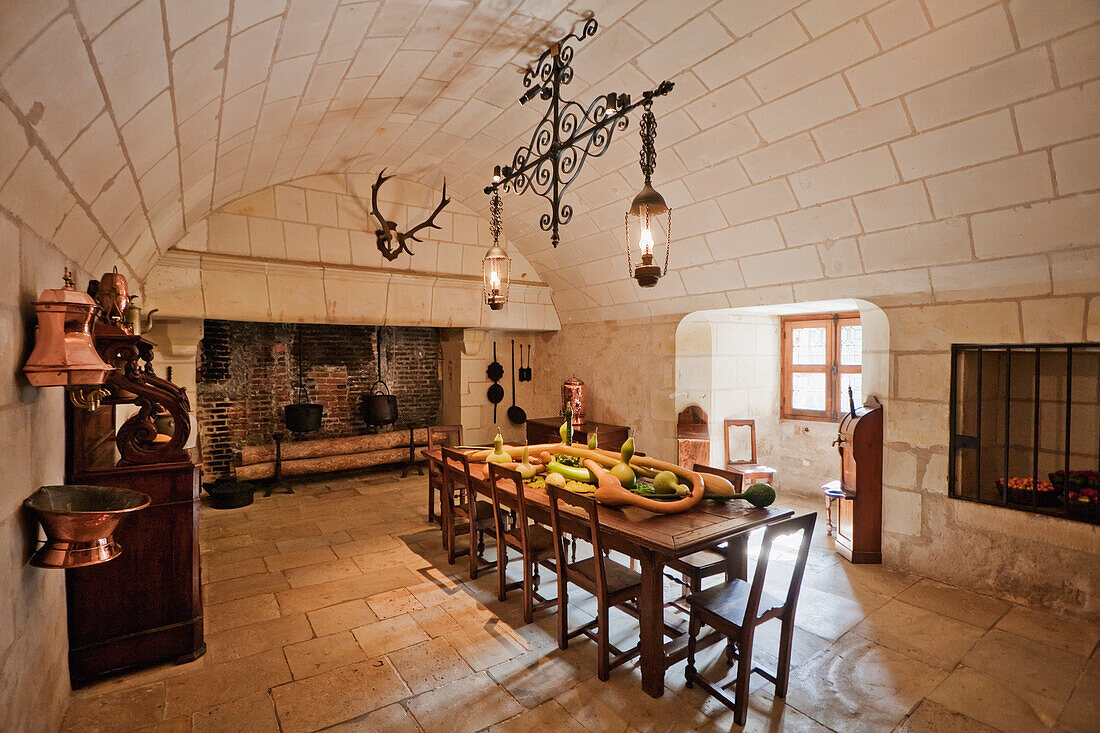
248 372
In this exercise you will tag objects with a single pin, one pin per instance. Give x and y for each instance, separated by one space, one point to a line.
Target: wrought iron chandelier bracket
567 134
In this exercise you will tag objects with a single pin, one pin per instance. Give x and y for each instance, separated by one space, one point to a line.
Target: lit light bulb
494 281
645 242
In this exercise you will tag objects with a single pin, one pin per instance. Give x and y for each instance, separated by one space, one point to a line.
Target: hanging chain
496 207
668 240
626 230
648 129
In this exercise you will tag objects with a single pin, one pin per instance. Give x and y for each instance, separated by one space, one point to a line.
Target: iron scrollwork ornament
567 134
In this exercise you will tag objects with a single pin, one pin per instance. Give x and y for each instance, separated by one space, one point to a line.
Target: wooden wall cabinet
145 606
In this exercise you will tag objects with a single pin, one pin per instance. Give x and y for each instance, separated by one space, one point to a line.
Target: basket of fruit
1082 493
1025 491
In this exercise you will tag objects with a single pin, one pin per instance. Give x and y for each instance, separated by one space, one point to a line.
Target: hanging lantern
646 207
497 266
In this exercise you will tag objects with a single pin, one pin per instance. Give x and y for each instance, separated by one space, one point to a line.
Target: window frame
833 369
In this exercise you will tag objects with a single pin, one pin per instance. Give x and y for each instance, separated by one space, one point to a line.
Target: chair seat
619 577
729 600
540 540
749 468
703 561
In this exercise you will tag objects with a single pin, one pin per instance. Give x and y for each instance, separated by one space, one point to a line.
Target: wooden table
653 541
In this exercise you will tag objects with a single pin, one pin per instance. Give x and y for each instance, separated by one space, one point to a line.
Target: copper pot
113 296
79 521
572 395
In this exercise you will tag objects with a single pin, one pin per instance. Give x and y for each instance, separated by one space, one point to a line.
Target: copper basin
79 521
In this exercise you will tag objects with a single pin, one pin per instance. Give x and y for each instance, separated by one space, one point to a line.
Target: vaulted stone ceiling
828 148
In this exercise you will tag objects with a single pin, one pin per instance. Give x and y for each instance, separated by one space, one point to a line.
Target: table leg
737 558
651 613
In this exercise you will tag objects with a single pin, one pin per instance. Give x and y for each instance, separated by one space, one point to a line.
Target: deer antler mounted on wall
390 241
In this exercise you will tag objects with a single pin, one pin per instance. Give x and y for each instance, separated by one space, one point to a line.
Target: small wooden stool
832 492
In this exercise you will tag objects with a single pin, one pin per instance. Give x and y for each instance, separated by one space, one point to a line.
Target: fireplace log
325 447
323 464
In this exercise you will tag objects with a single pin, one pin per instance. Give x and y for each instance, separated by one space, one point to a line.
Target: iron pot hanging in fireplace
302 417
379 406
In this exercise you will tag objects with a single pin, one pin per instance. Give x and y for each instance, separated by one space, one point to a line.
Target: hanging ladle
515 413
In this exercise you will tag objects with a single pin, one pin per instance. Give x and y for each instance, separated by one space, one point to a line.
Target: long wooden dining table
653 539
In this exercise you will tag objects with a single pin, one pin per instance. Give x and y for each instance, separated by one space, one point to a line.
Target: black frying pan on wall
495 370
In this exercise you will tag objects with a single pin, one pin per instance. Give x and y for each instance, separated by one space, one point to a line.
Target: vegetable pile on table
617 479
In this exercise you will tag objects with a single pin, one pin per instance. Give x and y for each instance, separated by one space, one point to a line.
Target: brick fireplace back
248 372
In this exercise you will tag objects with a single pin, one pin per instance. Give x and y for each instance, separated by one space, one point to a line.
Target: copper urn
64 353
572 395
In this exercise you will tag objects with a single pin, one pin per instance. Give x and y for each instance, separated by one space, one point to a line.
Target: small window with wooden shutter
822 357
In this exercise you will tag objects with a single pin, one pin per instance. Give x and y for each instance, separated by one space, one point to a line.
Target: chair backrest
499 474
456 475
805 524
735 434
440 436
589 506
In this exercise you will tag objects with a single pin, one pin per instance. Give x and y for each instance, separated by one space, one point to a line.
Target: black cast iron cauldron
304 417
379 407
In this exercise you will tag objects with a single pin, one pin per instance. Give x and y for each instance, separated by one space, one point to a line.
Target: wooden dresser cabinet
859 511
145 606
545 430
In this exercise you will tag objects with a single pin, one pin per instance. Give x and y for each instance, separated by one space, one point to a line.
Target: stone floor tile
312 597
325 572
307 658
252 566
1057 631
961 605
858 686
299 558
244 641
429 664
484 647
533 678
994 703
931 717
548 716
341 617
393 603
918 633
591 711
220 616
831 616
306 543
219 683
257 550
252 714
384 720
338 695
233 589
863 583
389 635
1025 664
1082 712
468 705
367 545
435 621
122 710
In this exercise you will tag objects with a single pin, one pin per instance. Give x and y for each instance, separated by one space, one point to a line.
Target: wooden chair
743 465
729 558
449 436
477 513
534 542
611 583
736 608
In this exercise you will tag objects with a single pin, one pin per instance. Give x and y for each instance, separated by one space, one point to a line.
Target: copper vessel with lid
64 353
572 395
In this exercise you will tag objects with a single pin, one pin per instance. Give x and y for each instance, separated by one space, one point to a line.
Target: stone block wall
34 676
249 371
